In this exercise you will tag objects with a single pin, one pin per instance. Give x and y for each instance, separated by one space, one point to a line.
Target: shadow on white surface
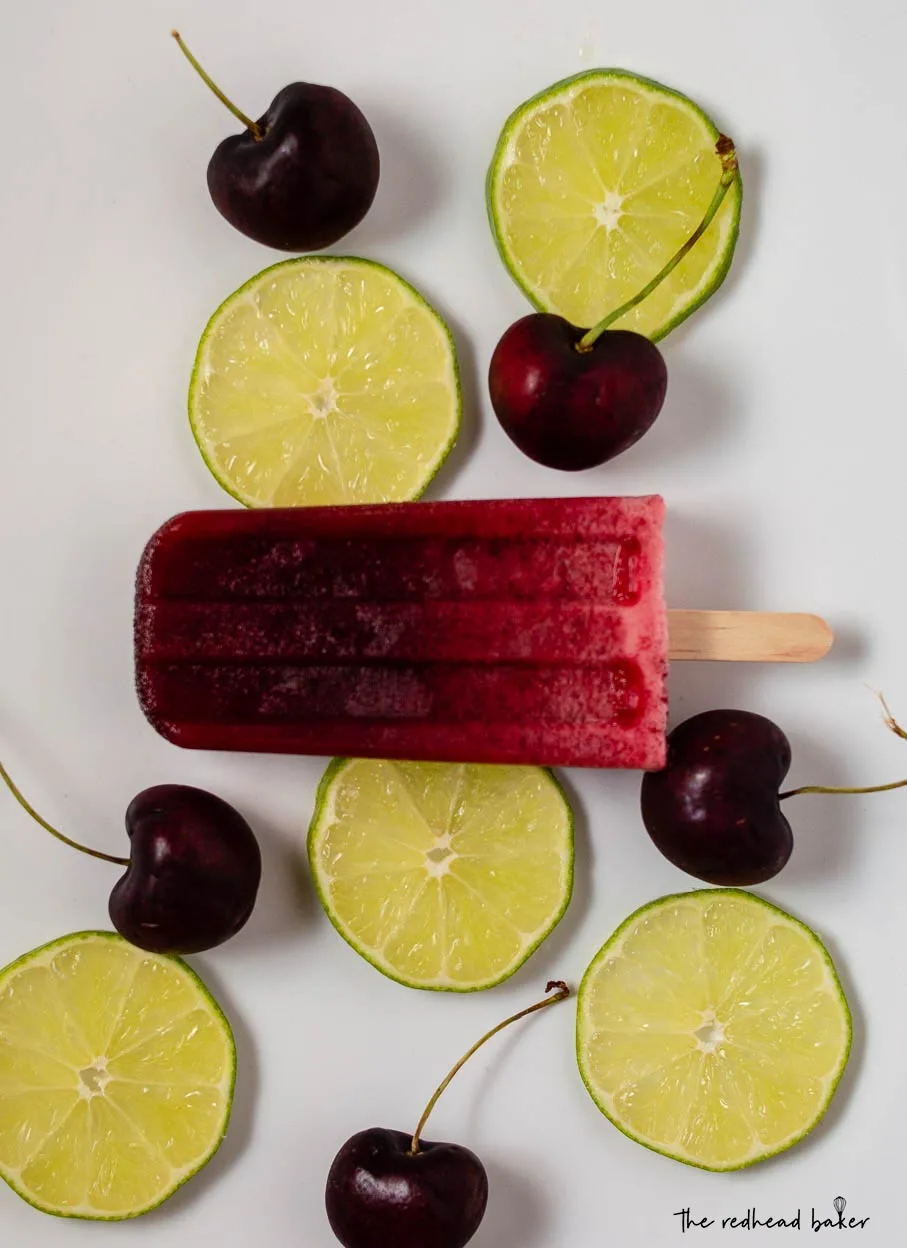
516 1217
497 1059
412 183
852 644
701 409
58 788
286 905
707 566
245 1102
827 829
707 569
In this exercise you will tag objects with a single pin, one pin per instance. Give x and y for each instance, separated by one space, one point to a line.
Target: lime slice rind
839 1027
722 234
452 919
221 1089
400 472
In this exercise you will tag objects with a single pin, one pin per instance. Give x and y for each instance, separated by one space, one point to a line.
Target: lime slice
325 380
116 1077
441 875
712 1028
594 186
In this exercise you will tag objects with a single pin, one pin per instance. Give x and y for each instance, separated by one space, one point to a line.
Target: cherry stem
727 154
94 853
825 788
255 128
561 992
892 724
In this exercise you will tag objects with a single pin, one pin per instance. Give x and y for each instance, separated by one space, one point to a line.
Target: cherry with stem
715 809
890 722
560 990
389 1189
893 726
574 398
300 176
252 126
727 154
192 874
27 806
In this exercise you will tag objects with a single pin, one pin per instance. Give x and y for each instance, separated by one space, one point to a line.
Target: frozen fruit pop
511 631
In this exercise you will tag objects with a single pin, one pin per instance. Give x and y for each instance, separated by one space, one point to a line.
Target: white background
780 451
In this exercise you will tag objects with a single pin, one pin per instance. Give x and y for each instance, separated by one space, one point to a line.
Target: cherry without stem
715 809
193 872
388 1189
571 398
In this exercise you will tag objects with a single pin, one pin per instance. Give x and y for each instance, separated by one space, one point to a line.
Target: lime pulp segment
712 1028
325 380
595 184
116 1077
442 876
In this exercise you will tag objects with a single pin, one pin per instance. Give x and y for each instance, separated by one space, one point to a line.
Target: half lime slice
325 380
595 184
712 1027
116 1077
441 875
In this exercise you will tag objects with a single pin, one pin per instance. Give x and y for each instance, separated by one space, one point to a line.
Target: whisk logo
841 1221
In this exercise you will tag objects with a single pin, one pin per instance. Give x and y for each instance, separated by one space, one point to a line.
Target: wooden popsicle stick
748 636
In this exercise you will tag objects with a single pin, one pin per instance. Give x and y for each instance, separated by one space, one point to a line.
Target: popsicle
508 631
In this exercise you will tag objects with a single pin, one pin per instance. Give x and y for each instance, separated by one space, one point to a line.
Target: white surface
780 452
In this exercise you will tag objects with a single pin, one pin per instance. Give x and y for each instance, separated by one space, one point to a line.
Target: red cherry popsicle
522 631
511 631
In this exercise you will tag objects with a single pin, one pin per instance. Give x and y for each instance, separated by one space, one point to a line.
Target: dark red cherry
573 398
714 811
380 1194
570 408
301 176
308 180
193 874
389 1189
